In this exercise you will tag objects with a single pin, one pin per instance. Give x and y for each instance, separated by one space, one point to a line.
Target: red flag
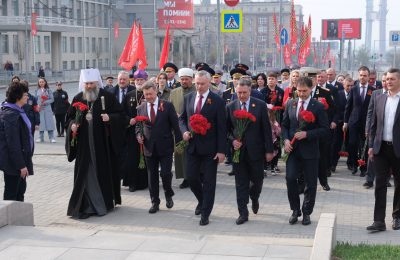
315 56
165 49
327 54
129 53
287 55
276 32
33 24
293 30
308 39
141 51
301 55
116 30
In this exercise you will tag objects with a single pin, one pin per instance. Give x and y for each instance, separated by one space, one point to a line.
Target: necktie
199 103
301 109
244 106
362 93
123 95
152 114
170 84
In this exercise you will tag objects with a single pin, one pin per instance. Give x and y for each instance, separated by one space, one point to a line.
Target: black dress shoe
328 173
204 221
362 174
83 215
241 219
169 203
154 208
326 187
132 189
197 211
294 217
255 205
231 173
227 162
389 185
184 184
350 167
354 171
377 226
333 169
368 184
396 224
306 220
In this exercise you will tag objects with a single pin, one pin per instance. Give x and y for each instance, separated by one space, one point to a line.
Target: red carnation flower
307 116
276 108
141 118
324 102
361 163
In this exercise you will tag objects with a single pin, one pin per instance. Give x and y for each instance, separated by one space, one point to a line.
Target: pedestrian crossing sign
231 21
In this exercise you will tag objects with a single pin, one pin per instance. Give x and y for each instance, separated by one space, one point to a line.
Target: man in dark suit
304 153
376 84
355 117
158 142
255 147
343 95
204 152
384 149
331 77
122 88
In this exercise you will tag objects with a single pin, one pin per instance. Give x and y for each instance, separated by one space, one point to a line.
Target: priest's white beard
90 94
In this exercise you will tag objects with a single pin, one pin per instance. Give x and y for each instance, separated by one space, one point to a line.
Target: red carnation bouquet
277 111
199 125
140 120
363 160
305 118
243 119
80 108
343 152
324 102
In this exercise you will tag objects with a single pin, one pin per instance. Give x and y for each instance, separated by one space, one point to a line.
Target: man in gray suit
384 149
369 182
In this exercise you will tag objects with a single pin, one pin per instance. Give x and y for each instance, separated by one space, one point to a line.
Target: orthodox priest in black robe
99 136
133 177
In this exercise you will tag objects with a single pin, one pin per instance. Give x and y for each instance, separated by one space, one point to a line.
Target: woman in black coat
16 142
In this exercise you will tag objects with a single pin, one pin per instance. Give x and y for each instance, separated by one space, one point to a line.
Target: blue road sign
231 20
394 39
284 37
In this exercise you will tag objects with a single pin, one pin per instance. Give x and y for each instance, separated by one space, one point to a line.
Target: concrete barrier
325 237
16 213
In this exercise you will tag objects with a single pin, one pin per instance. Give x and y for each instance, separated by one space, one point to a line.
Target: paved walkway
49 190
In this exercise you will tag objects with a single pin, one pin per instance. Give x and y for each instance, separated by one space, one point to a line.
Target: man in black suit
384 149
204 152
158 142
343 95
304 154
122 88
355 117
331 77
376 84
255 147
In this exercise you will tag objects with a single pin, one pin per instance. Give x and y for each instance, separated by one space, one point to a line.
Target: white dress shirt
203 101
346 94
305 104
155 108
392 103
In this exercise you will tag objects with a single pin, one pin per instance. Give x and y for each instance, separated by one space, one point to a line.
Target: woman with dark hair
161 80
15 78
261 81
16 142
44 98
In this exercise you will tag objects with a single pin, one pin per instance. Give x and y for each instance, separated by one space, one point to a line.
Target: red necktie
152 114
244 106
198 106
301 109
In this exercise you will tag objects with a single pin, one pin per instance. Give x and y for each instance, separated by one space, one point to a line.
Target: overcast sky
334 9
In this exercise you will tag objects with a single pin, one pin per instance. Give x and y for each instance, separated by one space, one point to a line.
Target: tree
363 57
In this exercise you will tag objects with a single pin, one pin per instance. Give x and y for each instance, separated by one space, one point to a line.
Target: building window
15 44
94 63
100 15
72 65
100 47
46 10
80 64
106 63
130 18
16 66
93 45
86 10
37 65
64 44
106 45
72 44
4 43
87 64
80 48
4 7
15 4
65 65
262 29
262 20
54 8
100 64
46 44
79 15
87 44
37 44
47 65
93 14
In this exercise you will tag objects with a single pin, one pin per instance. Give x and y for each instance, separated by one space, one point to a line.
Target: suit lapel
191 104
381 107
396 117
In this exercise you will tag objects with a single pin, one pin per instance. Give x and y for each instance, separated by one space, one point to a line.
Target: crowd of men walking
308 117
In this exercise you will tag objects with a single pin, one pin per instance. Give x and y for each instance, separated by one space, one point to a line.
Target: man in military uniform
217 80
171 70
176 98
109 82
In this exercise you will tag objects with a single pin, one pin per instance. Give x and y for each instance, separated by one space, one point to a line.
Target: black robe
107 141
132 175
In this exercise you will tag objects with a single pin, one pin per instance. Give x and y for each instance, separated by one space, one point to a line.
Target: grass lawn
346 251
